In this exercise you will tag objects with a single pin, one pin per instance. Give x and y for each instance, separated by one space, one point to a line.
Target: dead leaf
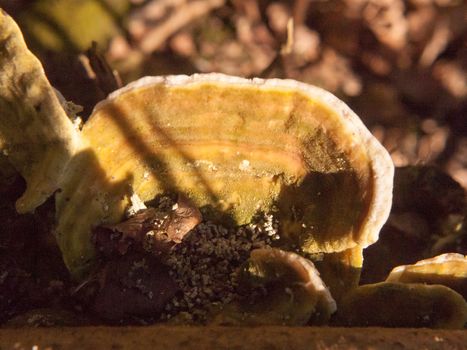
184 218
153 229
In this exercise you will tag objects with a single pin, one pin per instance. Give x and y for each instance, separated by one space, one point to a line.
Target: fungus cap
234 146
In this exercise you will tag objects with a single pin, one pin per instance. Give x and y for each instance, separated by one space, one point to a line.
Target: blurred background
401 65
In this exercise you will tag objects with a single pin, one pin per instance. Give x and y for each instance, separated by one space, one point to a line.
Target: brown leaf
153 229
184 218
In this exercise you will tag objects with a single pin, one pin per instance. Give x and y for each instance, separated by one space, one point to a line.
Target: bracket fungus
35 133
448 269
235 147
280 288
388 304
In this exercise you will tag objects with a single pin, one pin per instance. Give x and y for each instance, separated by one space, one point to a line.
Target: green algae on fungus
389 304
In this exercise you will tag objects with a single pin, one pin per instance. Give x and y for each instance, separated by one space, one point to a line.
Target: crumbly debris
244 165
202 258
136 205
205 264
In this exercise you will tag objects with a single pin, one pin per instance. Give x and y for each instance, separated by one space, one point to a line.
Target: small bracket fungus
448 269
279 288
388 304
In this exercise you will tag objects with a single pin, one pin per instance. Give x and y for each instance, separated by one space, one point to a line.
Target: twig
98 69
287 48
277 67
183 16
436 45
